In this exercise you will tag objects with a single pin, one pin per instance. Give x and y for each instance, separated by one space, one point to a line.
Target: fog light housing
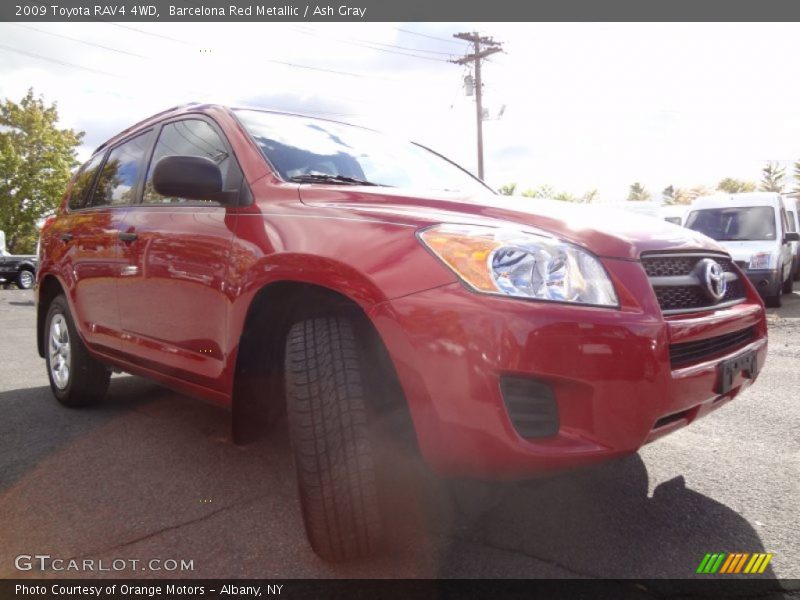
531 406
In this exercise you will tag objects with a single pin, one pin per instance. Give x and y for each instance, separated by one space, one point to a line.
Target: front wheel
333 452
775 301
76 378
25 279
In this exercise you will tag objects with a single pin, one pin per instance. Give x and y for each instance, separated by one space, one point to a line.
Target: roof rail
150 118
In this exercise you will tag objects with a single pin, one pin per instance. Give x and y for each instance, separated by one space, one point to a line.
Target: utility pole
482 47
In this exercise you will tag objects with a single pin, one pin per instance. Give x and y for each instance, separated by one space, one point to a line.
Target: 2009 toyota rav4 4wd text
266 261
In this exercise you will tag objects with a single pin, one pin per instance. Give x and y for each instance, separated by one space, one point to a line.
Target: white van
754 229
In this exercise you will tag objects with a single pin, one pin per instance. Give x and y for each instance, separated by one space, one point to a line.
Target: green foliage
36 159
731 185
547 192
543 191
638 193
508 189
772 176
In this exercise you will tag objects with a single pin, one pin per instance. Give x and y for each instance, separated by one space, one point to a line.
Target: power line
158 35
431 37
280 62
58 62
407 48
79 41
372 45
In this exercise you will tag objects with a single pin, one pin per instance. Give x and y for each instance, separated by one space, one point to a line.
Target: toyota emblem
713 278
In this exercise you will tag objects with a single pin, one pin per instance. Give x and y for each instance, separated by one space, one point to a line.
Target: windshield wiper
322 178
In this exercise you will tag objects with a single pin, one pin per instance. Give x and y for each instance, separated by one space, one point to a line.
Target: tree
797 176
36 159
673 195
588 197
565 197
638 193
543 191
730 185
772 177
697 191
508 189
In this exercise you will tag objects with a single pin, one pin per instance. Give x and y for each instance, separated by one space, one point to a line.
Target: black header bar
399 10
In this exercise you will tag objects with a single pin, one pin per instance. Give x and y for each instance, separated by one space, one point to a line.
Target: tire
26 279
788 285
85 380
333 451
774 301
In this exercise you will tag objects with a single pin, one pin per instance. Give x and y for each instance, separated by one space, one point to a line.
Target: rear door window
121 175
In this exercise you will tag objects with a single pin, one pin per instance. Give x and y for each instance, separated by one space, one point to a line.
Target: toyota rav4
273 262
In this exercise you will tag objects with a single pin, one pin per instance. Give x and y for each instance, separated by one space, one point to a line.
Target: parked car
793 218
18 269
669 213
674 213
265 261
754 228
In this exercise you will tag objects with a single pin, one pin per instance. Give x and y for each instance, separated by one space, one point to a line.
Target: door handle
127 236
66 237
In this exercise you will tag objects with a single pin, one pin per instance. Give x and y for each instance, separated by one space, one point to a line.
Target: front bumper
766 281
609 371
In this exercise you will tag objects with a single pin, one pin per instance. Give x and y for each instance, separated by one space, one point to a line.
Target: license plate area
746 364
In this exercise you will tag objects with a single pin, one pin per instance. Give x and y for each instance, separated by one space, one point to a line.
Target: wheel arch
49 288
258 398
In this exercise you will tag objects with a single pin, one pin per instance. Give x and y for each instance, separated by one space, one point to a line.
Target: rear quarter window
83 182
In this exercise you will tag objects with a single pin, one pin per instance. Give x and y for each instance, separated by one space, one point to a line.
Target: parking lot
152 474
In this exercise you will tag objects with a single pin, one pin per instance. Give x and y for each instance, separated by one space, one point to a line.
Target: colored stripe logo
735 562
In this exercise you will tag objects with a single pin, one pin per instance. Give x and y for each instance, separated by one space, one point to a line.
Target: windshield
310 150
735 223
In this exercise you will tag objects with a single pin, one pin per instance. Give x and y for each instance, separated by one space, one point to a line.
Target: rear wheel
76 378
25 279
333 451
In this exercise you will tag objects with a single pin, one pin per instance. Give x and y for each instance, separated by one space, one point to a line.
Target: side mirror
191 177
791 236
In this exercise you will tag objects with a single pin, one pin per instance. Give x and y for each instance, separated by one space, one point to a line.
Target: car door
173 301
89 257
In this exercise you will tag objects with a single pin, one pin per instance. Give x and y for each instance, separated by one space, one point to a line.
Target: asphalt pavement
151 474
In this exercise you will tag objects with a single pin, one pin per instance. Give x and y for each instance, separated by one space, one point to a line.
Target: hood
608 232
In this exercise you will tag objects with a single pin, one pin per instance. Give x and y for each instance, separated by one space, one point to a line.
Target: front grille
679 287
684 297
671 266
686 353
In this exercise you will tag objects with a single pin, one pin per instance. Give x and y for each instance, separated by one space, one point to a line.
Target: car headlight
520 264
761 260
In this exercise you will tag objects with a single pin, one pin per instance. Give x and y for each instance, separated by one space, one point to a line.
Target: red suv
267 261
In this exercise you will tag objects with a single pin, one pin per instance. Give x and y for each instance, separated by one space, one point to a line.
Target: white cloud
588 105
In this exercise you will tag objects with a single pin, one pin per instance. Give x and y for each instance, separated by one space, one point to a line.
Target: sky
587 105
